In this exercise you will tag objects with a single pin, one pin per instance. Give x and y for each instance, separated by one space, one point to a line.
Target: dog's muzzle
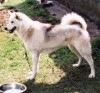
12 30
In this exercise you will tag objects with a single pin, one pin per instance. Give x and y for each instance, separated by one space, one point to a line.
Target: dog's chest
35 42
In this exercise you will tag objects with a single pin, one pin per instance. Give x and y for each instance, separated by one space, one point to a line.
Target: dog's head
13 22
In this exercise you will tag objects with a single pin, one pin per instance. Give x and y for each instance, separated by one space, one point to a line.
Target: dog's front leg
35 59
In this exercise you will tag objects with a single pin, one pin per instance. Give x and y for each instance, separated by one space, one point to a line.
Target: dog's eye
12 21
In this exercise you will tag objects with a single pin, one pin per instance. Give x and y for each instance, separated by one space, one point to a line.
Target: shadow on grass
75 80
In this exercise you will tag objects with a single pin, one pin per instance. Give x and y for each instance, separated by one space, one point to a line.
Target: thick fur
73 17
39 37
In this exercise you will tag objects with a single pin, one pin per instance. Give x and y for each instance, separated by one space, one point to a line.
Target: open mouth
13 29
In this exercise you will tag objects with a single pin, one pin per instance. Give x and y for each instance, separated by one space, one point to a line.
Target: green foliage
96 46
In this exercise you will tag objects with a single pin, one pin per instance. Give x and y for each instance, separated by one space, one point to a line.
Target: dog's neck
21 32
25 30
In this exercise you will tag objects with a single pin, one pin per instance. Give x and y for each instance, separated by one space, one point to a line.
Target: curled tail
74 19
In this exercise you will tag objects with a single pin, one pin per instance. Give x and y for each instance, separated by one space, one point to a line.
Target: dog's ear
18 17
10 12
13 9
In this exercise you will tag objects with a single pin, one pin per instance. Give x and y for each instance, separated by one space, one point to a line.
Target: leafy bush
96 48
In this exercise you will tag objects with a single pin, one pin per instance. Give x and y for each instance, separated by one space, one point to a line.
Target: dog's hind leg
35 59
90 61
73 49
85 51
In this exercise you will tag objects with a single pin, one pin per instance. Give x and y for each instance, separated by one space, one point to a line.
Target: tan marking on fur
46 26
30 32
49 28
80 33
67 39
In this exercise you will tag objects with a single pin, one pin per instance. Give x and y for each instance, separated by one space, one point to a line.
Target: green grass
56 74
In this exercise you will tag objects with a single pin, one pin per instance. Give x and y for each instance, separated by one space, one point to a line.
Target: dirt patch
4 15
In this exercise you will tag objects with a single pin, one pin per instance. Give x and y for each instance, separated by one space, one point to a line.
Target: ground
56 74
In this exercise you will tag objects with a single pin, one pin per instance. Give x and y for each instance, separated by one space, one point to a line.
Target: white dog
39 37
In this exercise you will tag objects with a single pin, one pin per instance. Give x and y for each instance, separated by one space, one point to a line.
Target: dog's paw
31 76
75 65
92 75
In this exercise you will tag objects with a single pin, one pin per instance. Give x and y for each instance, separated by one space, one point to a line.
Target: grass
56 74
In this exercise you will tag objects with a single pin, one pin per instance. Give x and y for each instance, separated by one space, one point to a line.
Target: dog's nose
5 28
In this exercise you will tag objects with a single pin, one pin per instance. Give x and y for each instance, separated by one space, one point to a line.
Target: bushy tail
74 19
